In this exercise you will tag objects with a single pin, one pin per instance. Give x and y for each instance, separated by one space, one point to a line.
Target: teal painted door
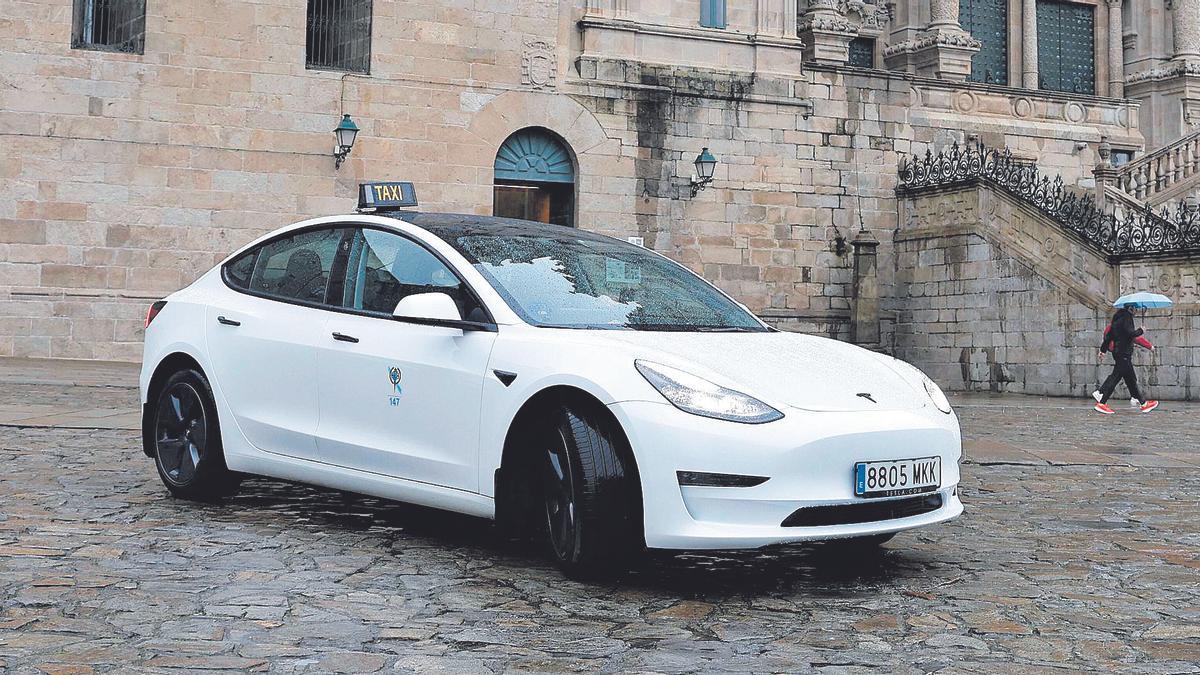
987 21
535 178
1066 47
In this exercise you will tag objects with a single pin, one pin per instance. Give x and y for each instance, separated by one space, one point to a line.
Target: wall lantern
705 164
345 134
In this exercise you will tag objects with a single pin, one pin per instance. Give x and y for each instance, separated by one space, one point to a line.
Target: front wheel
187 439
591 496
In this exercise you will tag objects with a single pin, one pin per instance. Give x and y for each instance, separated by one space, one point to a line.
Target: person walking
1119 339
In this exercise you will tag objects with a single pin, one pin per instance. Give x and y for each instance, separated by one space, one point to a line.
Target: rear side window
238 271
297 267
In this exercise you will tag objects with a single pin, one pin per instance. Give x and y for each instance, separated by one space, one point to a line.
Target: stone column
943 15
826 33
1029 44
1187 29
864 306
1116 51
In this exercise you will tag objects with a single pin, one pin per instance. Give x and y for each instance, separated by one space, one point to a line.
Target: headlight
935 394
698 396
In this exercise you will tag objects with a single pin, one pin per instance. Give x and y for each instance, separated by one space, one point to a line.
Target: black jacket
1121 334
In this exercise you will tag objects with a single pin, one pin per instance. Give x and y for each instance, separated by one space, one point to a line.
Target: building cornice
933 39
1165 72
707 34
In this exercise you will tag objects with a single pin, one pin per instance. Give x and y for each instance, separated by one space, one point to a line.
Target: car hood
802 371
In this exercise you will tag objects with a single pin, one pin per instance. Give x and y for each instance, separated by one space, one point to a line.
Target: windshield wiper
687 328
726 329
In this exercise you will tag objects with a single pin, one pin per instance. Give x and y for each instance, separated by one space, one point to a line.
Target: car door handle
228 322
344 338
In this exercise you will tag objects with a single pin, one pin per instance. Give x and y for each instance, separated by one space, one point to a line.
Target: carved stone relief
538 65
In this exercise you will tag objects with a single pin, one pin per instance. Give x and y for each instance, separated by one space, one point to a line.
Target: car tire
591 498
186 439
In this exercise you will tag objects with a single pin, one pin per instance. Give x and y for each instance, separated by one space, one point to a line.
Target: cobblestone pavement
1079 550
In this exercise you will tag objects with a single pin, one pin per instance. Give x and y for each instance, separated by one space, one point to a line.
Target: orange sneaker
1103 409
1149 405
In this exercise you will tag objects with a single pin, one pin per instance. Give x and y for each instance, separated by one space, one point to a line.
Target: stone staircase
1121 228
1004 279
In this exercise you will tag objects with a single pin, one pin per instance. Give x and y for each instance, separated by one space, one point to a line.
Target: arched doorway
535 178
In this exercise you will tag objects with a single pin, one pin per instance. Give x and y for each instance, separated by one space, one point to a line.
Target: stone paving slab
1055 566
68 372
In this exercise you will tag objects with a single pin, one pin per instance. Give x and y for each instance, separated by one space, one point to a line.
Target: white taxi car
556 380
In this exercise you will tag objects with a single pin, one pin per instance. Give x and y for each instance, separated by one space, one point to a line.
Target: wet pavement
1080 550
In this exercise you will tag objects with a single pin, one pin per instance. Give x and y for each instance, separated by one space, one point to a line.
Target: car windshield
571 280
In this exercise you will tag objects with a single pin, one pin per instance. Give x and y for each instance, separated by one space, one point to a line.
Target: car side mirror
435 309
430 306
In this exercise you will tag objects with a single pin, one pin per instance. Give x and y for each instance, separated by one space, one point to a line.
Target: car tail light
154 310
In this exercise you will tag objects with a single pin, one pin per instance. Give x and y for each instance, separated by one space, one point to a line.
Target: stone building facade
125 173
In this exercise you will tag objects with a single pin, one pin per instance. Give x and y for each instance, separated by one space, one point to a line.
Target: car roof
448 226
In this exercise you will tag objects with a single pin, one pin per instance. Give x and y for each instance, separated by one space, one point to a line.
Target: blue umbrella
1144 300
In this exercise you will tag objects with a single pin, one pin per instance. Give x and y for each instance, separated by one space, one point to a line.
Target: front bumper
809 458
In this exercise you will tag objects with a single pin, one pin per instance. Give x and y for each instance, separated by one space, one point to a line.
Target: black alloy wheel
558 487
187 439
181 433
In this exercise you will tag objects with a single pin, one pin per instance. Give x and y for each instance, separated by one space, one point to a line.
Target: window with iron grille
109 25
862 52
1066 47
339 35
987 21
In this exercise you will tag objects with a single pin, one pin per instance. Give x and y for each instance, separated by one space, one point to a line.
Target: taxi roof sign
386 196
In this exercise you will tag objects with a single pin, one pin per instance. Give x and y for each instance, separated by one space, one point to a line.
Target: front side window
339 35
569 280
296 267
384 268
109 25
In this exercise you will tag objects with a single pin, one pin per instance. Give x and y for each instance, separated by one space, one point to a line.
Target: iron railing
1128 234
339 35
109 25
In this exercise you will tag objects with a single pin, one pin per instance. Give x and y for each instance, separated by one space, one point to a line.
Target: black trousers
1122 370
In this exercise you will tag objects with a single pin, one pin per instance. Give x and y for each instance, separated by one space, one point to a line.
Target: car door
397 398
263 334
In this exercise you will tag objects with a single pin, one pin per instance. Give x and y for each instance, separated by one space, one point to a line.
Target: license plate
898 477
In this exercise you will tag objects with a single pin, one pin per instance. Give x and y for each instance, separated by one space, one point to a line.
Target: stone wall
993 296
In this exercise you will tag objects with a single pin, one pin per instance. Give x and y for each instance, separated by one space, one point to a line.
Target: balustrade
1161 170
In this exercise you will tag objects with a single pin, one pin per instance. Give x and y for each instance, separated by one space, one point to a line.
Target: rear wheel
590 496
187 439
